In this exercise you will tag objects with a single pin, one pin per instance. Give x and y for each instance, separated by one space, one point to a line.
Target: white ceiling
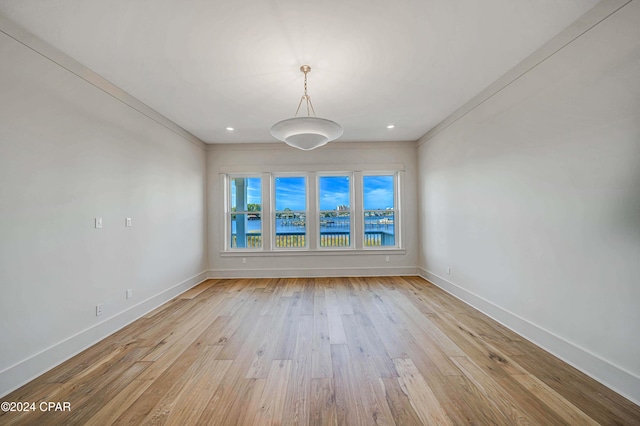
210 64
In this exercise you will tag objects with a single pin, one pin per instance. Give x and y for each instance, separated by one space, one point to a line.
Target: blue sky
254 195
334 191
291 193
378 192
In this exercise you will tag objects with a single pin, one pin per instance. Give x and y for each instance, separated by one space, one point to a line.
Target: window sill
323 252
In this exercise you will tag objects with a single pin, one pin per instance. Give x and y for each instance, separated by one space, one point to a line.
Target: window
290 211
379 209
334 215
244 216
312 211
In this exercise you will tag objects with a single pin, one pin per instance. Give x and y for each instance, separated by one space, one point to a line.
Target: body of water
327 225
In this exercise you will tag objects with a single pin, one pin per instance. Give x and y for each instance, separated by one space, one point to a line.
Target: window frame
311 174
396 210
228 213
273 213
318 211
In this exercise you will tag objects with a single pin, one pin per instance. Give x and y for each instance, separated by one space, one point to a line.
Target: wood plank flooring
318 351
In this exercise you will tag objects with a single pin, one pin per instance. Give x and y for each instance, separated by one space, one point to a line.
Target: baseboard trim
616 378
314 272
24 371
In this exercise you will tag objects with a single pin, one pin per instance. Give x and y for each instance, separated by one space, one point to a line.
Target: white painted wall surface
533 200
69 152
335 156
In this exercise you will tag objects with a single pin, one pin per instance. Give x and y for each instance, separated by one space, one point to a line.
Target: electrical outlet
98 222
244 260
387 259
127 222
99 309
129 293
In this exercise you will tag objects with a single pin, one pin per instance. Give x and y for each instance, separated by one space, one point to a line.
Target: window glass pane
335 229
379 228
378 192
291 214
246 225
246 194
246 230
335 192
291 194
379 210
334 217
291 229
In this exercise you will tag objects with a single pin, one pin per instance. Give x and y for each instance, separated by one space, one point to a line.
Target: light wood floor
348 351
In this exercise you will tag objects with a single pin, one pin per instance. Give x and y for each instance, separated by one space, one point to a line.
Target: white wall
70 152
533 199
335 156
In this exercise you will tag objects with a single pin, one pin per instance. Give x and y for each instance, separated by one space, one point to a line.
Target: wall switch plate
129 293
98 222
127 222
387 258
449 270
99 309
244 260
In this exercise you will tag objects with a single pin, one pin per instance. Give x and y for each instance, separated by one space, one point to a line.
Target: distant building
342 208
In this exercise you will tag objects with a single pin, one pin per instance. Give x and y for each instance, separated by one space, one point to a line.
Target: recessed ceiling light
391 126
230 129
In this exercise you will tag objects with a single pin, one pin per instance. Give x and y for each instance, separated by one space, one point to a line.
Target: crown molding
61 59
586 22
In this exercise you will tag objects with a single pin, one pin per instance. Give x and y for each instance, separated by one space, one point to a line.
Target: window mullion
398 204
312 212
358 213
267 211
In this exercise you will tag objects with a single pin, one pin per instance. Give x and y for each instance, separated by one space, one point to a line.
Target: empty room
333 212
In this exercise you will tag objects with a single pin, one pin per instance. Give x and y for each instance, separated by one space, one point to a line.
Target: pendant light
306 133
